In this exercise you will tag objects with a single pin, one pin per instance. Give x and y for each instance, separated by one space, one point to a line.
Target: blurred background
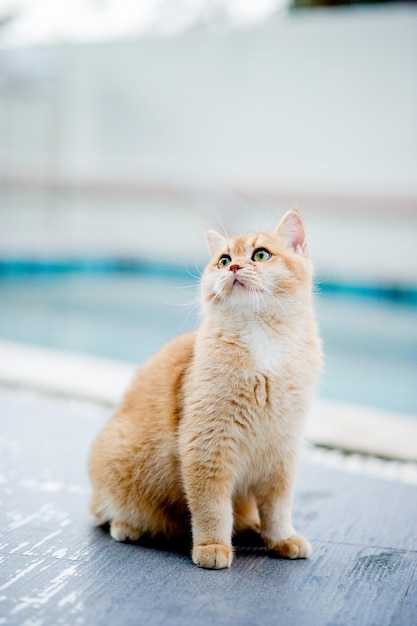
126 128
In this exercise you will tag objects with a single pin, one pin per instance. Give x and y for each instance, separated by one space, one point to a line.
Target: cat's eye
224 260
261 255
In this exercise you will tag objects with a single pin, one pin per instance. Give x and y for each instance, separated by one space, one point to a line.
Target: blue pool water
370 342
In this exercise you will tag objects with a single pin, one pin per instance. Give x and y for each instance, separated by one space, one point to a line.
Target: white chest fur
266 347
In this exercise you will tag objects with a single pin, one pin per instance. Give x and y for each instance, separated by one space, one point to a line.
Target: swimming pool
370 342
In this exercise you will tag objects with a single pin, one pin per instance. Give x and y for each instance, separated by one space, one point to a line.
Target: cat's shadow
245 543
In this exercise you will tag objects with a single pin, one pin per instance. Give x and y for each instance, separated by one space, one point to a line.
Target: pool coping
335 425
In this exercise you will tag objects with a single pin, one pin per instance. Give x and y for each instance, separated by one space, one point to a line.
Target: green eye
261 255
224 260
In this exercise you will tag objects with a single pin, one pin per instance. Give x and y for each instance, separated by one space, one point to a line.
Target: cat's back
160 378
155 393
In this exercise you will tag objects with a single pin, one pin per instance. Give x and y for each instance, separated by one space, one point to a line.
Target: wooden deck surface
56 569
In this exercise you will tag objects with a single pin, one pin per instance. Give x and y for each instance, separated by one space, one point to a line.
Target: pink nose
234 267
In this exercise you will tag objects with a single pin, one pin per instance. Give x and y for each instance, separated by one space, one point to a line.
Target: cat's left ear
291 229
216 242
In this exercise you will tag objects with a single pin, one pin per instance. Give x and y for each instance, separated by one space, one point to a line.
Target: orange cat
207 437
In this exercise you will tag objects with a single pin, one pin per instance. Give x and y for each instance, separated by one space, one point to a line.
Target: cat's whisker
198 277
277 303
186 318
192 275
184 305
194 307
276 288
218 220
217 296
266 310
258 296
193 286
261 306
281 290
222 226
266 218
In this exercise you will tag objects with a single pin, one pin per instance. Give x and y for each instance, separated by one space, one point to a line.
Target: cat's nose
234 267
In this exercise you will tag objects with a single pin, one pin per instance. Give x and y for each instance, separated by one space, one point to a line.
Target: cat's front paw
295 547
213 556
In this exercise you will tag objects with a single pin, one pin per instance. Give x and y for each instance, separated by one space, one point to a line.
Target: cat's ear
291 230
216 242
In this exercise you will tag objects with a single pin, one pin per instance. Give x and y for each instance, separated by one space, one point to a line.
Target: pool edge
356 429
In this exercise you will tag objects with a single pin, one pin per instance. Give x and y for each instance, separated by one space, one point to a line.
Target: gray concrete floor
57 569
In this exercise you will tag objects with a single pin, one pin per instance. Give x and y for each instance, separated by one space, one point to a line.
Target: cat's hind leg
122 531
103 513
246 514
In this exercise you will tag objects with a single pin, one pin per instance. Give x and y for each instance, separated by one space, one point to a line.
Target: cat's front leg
212 524
275 510
209 496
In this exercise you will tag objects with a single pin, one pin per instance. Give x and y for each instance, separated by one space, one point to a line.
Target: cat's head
259 271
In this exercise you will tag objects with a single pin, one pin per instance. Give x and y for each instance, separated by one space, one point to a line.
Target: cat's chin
243 300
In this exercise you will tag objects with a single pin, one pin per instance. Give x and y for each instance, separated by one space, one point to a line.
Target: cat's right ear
216 242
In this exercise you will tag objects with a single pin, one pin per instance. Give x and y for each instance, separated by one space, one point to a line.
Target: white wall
318 100
316 107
